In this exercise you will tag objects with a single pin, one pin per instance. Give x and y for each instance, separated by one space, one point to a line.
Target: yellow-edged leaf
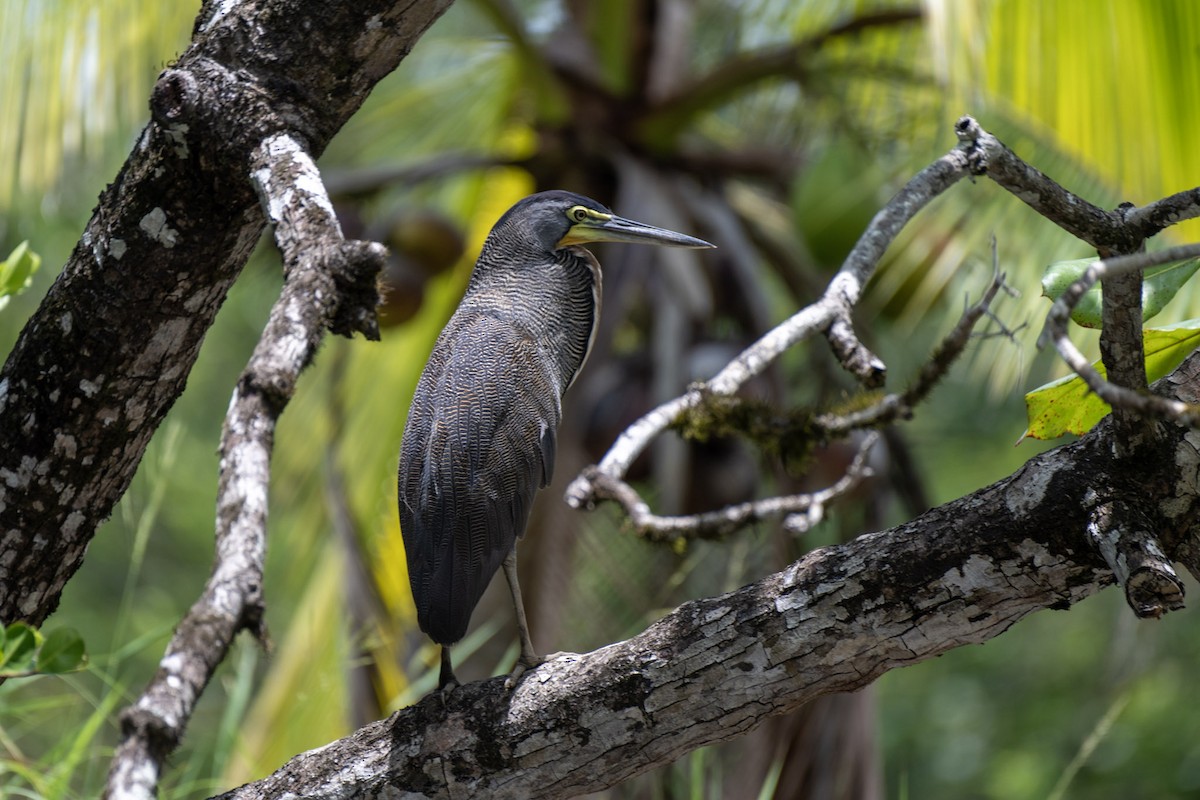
1067 405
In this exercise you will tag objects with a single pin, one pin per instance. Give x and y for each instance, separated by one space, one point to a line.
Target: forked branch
329 283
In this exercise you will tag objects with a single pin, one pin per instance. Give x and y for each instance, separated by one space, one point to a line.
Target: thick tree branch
330 283
715 668
109 350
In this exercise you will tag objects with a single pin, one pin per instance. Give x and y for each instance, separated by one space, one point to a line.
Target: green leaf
61 652
20 642
1063 406
1059 276
1067 405
16 271
1160 284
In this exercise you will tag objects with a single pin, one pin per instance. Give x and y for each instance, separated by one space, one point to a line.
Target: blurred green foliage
1100 95
25 651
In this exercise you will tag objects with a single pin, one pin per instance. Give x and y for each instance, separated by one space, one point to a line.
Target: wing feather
478 444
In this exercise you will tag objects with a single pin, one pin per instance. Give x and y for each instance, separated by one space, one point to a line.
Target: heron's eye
579 213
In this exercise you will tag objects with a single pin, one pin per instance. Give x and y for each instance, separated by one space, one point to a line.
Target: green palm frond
77 82
1098 95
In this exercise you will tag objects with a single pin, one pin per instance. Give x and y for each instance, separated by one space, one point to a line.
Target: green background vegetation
1100 95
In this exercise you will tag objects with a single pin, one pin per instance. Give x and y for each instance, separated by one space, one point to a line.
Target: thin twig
801 511
899 406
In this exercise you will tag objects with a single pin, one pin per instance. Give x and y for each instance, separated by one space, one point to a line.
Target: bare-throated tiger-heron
480 437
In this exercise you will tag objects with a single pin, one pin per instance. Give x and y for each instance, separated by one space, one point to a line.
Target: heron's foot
443 692
524 664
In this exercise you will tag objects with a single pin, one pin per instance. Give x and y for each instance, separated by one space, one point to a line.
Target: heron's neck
554 298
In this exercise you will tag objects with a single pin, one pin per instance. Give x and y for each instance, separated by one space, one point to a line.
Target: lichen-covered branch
329 283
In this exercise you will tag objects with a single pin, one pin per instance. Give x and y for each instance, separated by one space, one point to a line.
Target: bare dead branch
1092 224
853 355
1155 217
840 297
318 264
799 511
1113 233
978 153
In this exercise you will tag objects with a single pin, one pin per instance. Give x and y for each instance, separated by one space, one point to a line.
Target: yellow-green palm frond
77 78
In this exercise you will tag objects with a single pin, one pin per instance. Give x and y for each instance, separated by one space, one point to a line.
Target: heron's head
556 219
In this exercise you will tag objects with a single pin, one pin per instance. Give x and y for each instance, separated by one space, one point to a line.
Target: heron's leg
529 659
446 679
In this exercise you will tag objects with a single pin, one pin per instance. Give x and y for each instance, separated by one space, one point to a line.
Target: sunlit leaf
1160 285
1067 405
16 271
1063 406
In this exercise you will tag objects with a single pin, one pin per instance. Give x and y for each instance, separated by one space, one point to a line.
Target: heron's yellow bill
595 226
